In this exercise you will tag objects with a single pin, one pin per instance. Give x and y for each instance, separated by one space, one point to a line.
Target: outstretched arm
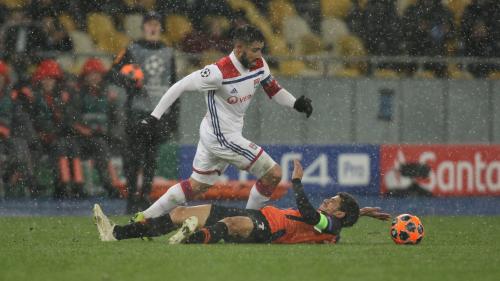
308 212
374 212
173 93
202 80
281 96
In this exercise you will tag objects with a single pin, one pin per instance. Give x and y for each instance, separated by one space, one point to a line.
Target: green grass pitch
68 248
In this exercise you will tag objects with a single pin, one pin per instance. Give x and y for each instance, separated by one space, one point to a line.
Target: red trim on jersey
187 189
206 172
271 86
255 159
227 68
258 64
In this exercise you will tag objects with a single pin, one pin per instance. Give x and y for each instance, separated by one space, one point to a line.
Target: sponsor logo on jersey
234 91
205 72
232 100
235 99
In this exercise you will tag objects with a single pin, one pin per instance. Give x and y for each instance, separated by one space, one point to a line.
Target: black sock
149 228
209 234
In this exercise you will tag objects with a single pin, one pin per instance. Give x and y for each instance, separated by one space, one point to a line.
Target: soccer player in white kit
228 86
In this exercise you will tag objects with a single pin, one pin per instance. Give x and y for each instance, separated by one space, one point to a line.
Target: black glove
303 104
148 127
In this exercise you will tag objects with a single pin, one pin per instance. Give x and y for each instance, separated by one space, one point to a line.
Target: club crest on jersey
234 91
205 72
256 82
232 100
253 146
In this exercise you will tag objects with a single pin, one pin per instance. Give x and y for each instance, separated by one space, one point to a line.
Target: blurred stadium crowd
55 56
434 31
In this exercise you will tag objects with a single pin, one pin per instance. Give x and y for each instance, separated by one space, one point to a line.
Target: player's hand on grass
298 172
303 104
374 212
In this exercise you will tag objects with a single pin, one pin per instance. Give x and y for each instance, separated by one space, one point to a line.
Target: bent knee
275 174
198 187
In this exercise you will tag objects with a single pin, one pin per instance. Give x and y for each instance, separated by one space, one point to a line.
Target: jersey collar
238 64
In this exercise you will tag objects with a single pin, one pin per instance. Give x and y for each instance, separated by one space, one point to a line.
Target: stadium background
387 88
373 87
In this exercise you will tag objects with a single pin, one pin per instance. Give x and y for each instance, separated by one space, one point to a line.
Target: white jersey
229 89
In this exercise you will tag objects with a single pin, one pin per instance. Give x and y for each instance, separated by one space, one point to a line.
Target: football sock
209 235
176 195
256 200
148 228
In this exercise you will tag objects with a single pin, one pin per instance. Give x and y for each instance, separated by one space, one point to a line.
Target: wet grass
67 248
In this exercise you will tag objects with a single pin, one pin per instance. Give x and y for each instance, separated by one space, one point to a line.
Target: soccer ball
407 229
134 72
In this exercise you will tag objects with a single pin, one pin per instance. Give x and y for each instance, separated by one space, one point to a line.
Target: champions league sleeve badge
205 72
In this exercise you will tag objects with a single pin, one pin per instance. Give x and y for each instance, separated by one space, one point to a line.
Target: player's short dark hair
247 34
350 207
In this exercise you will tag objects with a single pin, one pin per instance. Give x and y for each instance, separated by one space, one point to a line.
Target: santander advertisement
455 170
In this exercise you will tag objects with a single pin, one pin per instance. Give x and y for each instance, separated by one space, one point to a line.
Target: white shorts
212 158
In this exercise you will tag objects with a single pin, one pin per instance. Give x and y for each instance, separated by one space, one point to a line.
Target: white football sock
171 199
256 200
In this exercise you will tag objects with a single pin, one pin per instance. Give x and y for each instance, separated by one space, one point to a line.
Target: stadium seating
402 5
82 43
148 5
177 27
495 75
82 47
294 29
275 41
132 24
310 44
14 4
338 8
457 7
278 11
102 30
332 29
352 46
424 74
454 72
67 22
346 72
210 57
291 67
385 74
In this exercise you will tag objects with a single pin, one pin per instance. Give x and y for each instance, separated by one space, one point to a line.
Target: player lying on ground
267 225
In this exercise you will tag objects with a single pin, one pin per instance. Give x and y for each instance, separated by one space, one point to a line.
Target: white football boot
188 227
104 225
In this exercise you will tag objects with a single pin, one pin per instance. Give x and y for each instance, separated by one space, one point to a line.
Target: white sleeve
284 98
206 79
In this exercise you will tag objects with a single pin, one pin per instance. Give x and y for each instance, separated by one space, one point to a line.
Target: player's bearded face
251 53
